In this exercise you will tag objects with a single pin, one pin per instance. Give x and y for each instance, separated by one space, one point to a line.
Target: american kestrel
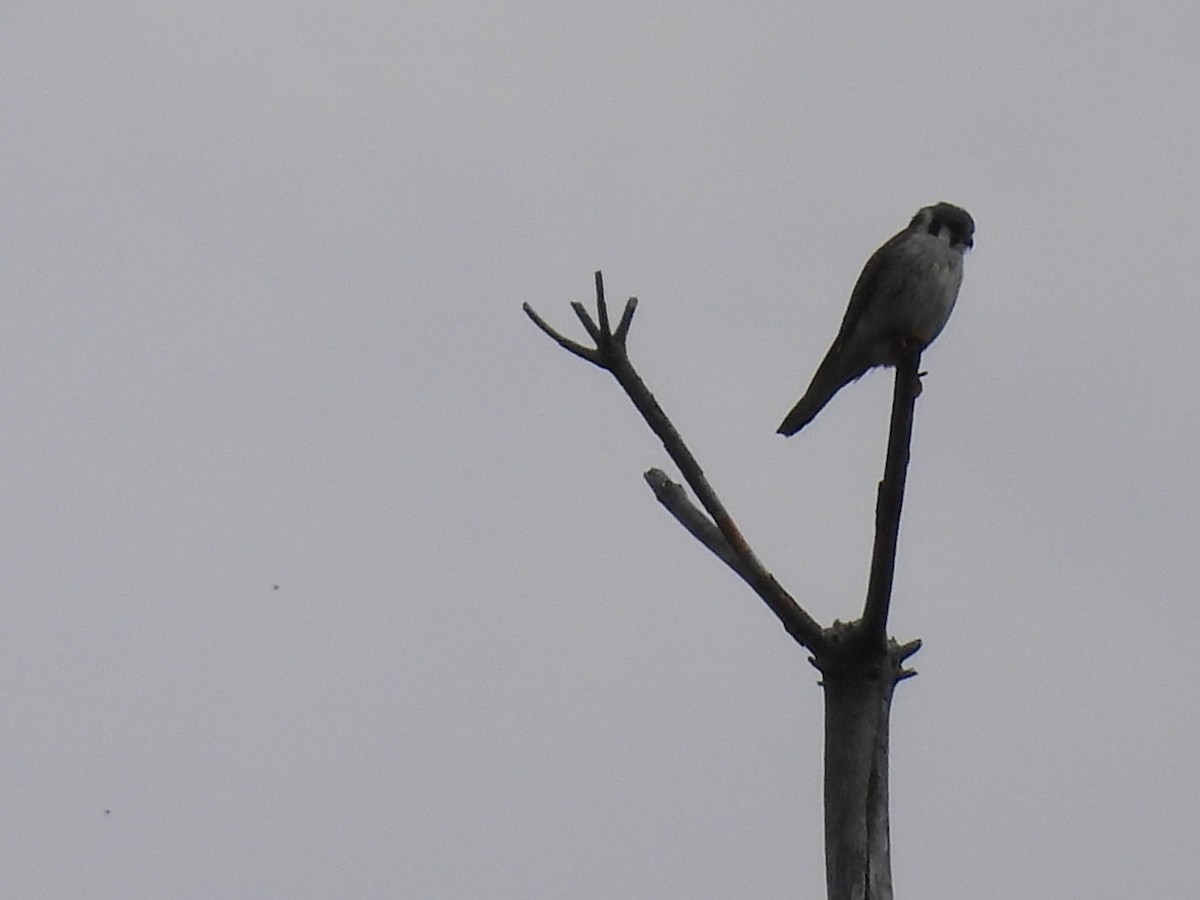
902 299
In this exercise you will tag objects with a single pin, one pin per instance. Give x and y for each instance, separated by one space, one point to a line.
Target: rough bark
859 679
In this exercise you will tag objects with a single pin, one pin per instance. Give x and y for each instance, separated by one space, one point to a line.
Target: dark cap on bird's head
954 222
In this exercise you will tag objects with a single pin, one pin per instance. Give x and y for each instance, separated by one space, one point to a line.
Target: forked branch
610 354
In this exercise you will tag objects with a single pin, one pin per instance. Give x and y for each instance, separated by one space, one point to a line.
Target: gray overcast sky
262 273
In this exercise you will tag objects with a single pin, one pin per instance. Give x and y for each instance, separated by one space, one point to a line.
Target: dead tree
859 664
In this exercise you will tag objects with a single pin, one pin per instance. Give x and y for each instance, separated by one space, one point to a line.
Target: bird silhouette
902 300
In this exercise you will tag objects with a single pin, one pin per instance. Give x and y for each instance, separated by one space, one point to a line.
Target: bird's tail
830 379
804 411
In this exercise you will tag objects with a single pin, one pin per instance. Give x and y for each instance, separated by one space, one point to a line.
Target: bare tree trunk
858 684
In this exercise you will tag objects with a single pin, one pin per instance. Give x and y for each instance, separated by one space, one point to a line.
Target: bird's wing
868 287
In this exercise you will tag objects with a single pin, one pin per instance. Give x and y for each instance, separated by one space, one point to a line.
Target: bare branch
626 321
582 314
601 306
890 498
566 343
675 499
610 353
904 651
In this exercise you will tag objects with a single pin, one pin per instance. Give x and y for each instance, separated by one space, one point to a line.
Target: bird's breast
928 286
913 296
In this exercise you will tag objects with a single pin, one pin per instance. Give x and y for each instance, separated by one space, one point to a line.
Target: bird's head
951 223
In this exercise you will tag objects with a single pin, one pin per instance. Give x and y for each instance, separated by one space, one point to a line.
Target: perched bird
902 300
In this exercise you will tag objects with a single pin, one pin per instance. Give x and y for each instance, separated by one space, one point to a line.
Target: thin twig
565 342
